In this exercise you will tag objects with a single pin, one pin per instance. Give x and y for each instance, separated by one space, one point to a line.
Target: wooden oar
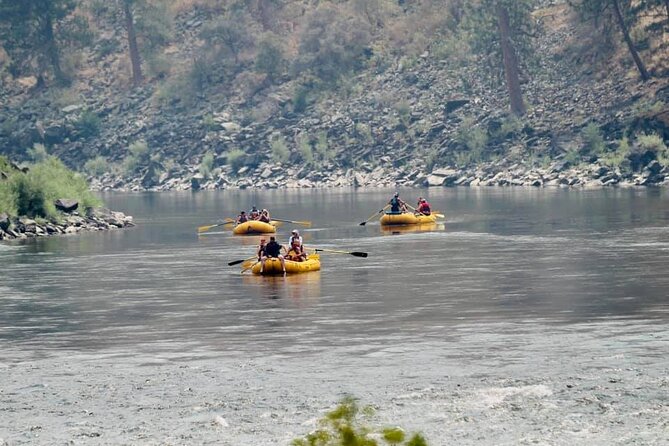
297 222
435 213
208 227
237 262
246 268
353 253
374 215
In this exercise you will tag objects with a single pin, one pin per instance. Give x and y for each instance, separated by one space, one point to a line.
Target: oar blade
205 228
235 262
359 254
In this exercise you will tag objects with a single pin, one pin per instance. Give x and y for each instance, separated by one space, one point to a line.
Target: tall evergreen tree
30 32
616 13
500 31
133 49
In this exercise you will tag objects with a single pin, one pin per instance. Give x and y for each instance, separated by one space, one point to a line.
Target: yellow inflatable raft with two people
407 218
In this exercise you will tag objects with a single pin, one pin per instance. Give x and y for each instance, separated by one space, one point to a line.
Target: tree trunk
510 62
666 3
628 40
51 49
132 44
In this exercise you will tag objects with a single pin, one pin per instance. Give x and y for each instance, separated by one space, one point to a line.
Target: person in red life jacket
273 251
423 207
241 218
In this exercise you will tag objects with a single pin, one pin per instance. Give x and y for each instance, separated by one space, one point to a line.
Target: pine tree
29 30
500 31
617 13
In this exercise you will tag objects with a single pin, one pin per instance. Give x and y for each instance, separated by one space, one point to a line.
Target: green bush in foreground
33 193
340 427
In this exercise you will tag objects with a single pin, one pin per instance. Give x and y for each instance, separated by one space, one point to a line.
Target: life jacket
242 218
395 204
425 208
273 249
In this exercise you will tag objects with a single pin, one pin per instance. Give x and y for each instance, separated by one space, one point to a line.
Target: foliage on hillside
33 192
269 62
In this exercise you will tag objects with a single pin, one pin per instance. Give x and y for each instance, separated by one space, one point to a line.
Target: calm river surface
528 317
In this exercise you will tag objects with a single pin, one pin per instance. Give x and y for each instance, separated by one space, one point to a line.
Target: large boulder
66 205
4 221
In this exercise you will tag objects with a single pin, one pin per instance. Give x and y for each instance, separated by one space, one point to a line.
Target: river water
530 316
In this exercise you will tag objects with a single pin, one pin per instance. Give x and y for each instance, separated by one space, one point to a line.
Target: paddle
374 215
237 262
297 222
435 213
208 227
353 253
246 268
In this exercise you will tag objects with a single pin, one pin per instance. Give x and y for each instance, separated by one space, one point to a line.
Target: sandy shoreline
604 383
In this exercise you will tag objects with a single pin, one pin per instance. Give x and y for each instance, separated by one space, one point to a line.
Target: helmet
397 194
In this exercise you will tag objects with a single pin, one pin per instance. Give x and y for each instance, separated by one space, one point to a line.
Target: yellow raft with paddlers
254 227
273 266
407 218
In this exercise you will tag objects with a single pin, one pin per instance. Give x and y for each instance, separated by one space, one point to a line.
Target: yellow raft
273 266
407 218
254 227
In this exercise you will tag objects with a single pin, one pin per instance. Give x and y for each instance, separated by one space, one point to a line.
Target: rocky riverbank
268 176
418 121
97 219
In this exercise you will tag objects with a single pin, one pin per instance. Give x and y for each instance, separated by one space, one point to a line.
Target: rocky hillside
424 120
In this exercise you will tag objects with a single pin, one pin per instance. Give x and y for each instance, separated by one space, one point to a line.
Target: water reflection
301 290
407 229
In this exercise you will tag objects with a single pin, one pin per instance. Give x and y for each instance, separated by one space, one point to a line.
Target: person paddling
241 218
397 205
423 207
273 251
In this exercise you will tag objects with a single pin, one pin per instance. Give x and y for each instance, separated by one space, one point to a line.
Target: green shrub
306 151
341 427
8 198
269 59
97 166
431 159
280 151
593 141
38 153
88 124
364 132
474 138
138 156
209 123
323 148
300 99
33 193
616 159
236 158
654 143
207 165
